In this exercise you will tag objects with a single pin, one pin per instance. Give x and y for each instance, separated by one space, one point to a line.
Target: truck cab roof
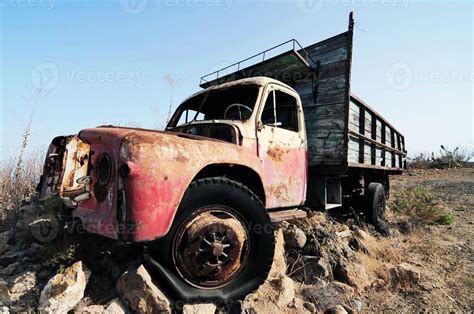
257 80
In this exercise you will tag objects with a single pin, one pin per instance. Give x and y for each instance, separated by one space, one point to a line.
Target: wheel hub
211 248
217 248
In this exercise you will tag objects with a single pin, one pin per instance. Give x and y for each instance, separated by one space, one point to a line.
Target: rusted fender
161 166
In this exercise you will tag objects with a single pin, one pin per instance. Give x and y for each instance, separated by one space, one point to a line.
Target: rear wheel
221 240
376 206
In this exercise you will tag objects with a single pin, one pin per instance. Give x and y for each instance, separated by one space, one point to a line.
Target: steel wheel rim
211 247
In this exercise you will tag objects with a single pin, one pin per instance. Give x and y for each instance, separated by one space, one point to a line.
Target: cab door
281 140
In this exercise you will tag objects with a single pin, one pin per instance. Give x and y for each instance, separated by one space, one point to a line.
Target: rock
299 306
4 239
7 259
310 307
404 275
361 234
344 234
322 233
357 245
207 308
64 291
279 263
321 269
342 273
4 292
136 288
325 295
4 310
35 249
295 238
312 248
378 284
357 302
286 291
16 287
309 269
338 309
22 284
9 270
44 274
272 296
91 309
405 227
115 307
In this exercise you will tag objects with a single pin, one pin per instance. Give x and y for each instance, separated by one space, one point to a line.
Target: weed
419 204
445 219
62 258
52 204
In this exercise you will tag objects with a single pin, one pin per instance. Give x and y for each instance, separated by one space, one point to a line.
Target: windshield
232 103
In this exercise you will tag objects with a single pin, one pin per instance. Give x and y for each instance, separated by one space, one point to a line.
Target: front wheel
221 240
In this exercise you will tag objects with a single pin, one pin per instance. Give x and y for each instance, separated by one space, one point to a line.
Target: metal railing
295 44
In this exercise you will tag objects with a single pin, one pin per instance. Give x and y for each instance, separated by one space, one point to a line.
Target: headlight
104 169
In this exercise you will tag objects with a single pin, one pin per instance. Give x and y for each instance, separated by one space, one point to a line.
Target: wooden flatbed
344 133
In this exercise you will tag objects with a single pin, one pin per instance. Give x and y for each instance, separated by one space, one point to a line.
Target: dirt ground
441 254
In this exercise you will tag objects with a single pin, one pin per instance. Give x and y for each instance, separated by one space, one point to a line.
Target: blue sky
105 62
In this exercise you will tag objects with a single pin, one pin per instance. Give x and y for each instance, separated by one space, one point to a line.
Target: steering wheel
240 112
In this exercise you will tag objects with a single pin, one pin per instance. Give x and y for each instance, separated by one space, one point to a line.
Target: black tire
376 202
201 198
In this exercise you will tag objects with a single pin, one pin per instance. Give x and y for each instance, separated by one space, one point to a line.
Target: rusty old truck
258 144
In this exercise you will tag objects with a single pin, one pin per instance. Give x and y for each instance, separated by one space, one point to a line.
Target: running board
288 214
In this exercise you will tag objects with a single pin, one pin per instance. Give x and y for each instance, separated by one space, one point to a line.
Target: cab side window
286 111
268 114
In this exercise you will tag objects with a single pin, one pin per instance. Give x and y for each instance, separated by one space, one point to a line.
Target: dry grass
385 254
18 179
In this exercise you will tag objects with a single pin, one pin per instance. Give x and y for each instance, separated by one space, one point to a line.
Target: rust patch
75 164
181 158
276 153
280 192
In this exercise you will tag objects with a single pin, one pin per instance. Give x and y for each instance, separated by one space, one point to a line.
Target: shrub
419 204
445 219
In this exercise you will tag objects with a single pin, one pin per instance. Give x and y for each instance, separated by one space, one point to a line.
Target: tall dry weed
18 180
